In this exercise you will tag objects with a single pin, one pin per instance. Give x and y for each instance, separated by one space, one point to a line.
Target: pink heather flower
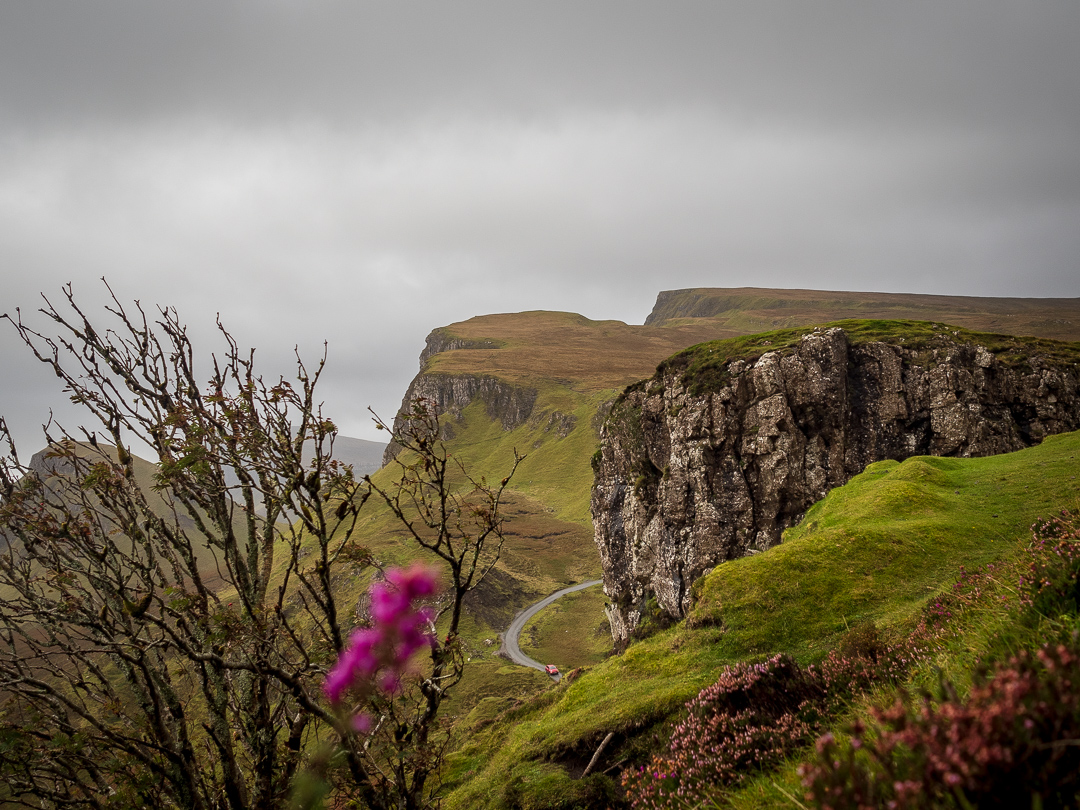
357 661
376 657
361 722
389 682
388 603
416 582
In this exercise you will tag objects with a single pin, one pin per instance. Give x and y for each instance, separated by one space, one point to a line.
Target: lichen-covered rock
688 478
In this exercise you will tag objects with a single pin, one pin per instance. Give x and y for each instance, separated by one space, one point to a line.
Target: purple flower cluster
376 657
1010 740
758 713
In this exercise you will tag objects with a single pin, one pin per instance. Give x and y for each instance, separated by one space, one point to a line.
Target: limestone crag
689 478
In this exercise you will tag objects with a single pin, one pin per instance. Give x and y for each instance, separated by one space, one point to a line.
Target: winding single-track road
510 637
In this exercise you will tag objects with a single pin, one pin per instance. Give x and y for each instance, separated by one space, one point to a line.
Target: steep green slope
877 549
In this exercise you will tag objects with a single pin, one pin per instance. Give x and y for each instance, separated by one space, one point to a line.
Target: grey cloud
361 173
989 62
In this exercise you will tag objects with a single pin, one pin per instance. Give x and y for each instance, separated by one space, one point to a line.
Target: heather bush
1051 585
377 657
1012 742
754 716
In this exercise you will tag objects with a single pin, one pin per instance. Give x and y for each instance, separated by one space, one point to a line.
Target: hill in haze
365 456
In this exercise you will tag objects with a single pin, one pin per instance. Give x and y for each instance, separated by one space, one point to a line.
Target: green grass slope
877 549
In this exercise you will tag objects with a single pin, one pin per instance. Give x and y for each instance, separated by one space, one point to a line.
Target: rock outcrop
711 460
510 405
441 340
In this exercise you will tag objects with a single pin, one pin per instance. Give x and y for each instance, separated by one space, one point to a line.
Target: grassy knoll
877 549
874 550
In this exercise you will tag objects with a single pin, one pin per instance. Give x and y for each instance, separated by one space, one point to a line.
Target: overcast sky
363 172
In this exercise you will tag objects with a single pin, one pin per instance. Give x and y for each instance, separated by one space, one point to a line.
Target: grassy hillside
577 367
875 550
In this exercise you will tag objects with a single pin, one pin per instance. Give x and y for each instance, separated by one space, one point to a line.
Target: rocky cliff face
510 405
710 461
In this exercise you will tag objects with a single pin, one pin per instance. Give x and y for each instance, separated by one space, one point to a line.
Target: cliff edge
508 404
730 442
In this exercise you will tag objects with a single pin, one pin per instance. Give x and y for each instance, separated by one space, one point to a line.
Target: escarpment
730 443
510 405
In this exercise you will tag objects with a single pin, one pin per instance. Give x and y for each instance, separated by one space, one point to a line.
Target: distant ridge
365 456
755 309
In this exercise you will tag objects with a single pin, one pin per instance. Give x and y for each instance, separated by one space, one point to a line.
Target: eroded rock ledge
510 405
691 473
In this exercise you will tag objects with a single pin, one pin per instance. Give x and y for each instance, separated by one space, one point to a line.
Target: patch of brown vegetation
568 349
747 310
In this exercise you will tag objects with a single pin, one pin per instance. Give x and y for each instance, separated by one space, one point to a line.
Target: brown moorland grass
566 349
752 309
563 349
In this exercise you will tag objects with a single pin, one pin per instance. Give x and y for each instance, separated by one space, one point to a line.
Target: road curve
510 637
